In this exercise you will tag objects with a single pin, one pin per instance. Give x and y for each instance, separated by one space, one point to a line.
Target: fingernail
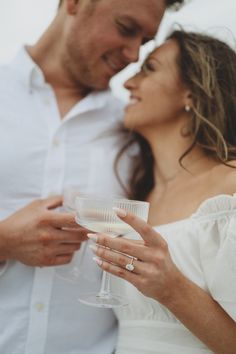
97 260
120 212
94 248
93 237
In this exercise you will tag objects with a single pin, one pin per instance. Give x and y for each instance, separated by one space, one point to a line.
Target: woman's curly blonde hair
207 67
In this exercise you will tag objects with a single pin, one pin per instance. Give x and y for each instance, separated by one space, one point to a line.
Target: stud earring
187 108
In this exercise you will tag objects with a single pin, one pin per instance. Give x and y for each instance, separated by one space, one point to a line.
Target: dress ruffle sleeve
216 227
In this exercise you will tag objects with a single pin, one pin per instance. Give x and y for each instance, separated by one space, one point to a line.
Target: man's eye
126 30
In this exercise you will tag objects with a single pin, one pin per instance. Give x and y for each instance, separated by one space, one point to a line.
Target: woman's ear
188 101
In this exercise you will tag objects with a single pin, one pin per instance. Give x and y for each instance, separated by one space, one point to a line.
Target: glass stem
82 254
105 290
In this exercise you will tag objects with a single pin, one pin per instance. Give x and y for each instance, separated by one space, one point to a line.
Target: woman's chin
130 121
128 124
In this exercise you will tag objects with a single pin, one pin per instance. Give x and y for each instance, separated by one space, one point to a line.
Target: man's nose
131 50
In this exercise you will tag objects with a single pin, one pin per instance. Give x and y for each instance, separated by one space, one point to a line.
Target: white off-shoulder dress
204 248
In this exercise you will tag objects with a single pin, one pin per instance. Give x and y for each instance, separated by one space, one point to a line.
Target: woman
183 114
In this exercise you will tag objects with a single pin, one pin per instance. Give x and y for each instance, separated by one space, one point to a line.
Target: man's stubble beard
78 70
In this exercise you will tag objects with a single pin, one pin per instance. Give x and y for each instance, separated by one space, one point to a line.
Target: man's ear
71 6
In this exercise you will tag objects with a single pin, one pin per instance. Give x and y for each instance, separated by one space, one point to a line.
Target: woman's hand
154 272
156 276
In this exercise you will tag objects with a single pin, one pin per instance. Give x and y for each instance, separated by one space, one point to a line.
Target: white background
22 21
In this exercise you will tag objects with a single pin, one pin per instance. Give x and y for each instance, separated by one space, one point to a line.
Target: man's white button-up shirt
40 155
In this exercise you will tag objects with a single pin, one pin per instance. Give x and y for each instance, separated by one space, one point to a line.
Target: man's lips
113 64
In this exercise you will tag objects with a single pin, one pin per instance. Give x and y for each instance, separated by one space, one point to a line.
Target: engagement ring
130 266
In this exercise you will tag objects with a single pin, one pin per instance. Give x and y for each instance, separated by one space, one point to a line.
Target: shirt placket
53 176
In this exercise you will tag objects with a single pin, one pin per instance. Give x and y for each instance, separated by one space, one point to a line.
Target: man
53 106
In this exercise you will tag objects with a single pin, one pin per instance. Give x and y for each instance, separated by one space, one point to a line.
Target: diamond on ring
130 266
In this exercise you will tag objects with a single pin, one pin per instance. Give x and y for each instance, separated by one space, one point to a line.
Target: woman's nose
129 84
132 82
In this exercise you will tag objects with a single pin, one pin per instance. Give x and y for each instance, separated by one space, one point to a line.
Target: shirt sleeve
3 267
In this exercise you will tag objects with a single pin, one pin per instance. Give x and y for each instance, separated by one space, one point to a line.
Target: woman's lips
133 101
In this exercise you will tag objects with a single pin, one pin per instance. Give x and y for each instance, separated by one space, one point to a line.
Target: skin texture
156 276
85 45
39 236
94 53
160 78
97 40
157 112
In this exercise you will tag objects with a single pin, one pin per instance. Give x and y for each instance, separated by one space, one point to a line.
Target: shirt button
39 306
56 142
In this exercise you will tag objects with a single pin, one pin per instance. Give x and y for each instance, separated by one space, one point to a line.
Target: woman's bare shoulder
225 177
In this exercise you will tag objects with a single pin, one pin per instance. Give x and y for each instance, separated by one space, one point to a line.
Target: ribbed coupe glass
97 214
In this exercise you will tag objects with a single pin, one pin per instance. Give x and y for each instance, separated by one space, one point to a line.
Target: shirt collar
30 73
93 101
33 77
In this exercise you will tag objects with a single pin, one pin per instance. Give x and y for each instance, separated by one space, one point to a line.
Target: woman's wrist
176 292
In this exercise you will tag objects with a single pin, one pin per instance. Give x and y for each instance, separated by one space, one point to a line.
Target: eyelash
147 67
127 31
130 32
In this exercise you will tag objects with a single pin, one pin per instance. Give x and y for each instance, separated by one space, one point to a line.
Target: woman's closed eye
148 67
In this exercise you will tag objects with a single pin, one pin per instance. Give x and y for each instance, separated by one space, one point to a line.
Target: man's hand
37 235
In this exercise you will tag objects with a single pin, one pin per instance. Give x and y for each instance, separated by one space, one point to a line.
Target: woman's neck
167 150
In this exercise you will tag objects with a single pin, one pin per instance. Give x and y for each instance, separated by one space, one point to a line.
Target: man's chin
93 86
101 86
